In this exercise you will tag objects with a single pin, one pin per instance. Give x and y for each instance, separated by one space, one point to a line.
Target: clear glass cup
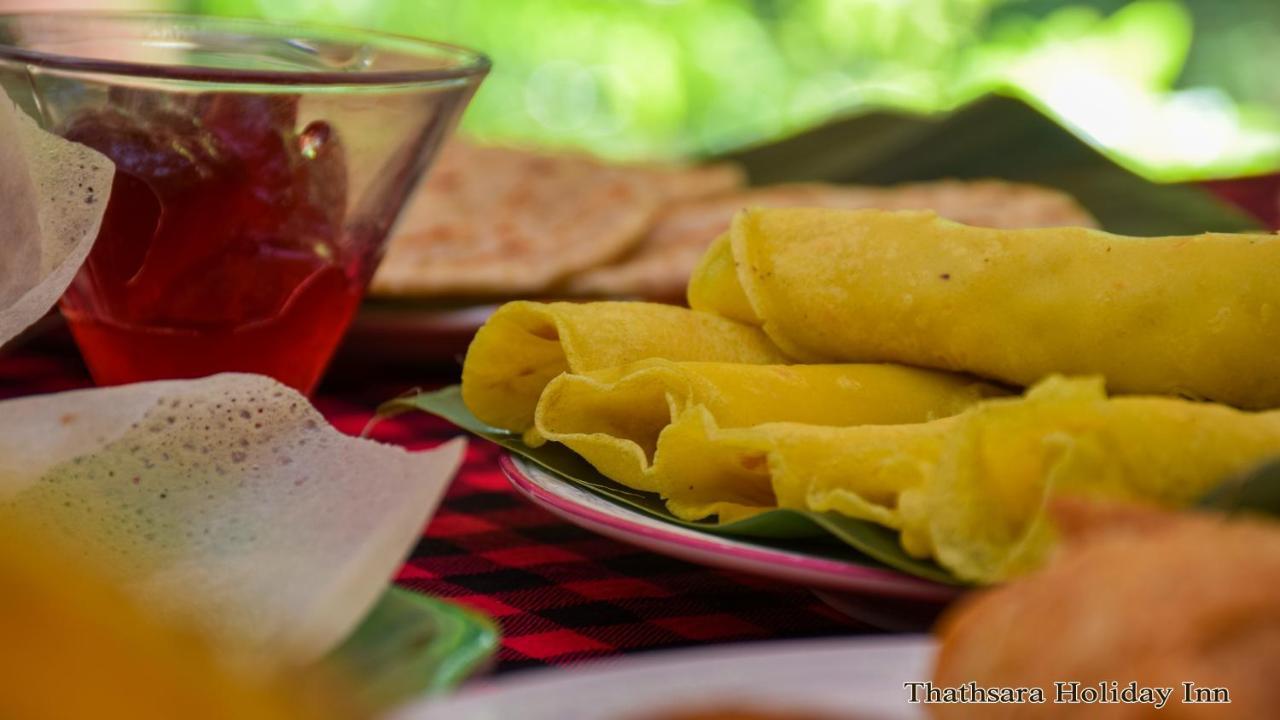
259 168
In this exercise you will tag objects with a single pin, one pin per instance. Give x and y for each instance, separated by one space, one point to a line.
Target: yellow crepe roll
971 490
613 417
1197 316
983 512
702 470
526 344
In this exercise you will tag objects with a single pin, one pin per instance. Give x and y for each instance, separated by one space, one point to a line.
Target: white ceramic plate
858 678
599 515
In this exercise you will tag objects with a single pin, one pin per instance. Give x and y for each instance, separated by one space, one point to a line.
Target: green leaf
1257 492
996 137
411 644
827 534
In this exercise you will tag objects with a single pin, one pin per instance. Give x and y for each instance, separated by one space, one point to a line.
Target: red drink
240 234
222 247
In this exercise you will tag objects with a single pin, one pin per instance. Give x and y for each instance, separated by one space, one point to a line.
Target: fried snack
526 344
614 417
52 197
1195 316
660 267
1151 598
225 503
76 647
500 221
970 490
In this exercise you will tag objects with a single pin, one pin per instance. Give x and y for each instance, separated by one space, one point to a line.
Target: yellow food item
613 417
970 490
1196 316
526 344
982 511
703 470
75 647
660 266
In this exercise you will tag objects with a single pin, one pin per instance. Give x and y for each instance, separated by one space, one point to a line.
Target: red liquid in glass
221 245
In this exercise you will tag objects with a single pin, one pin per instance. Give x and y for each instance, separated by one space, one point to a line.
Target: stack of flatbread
498 222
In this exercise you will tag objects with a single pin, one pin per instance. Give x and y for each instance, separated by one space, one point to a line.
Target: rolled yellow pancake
1196 316
526 344
613 417
982 513
701 469
971 490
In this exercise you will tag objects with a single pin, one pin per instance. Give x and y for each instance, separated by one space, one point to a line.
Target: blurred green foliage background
1175 89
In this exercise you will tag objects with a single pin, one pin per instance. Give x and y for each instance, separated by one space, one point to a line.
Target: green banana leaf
995 137
827 534
1256 492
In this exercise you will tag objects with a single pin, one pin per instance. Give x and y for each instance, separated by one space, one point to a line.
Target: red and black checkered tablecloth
561 594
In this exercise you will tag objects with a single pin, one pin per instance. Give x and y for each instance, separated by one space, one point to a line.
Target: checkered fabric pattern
561 594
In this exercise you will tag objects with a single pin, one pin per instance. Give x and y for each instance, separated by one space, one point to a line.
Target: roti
660 266
501 221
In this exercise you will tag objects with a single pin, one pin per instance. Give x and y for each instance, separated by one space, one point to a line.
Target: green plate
412 644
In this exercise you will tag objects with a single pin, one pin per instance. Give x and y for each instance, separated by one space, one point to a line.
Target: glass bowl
259 169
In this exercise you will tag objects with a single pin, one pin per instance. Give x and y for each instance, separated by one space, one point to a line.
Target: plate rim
480 696
626 523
